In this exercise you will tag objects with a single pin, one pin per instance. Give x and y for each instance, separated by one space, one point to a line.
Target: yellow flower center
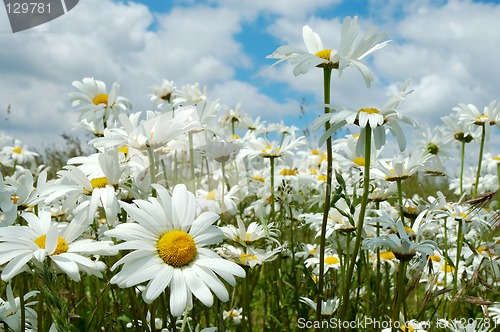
17 150
99 182
387 255
245 258
370 110
360 161
315 152
123 149
331 260
313 171
409 328
411 209
258 178
485 250
211 195
324 54
435 258
176 248
288 171
248 236
62 246
496 158
234 136
322 178
409 231
101 99
234 313
355 136
14 199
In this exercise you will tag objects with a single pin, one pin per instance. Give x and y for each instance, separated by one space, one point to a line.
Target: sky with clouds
449 50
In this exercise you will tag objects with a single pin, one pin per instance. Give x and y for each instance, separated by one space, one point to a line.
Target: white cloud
448 49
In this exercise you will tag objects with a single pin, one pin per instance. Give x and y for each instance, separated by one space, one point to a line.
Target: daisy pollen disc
360 161
324 54
17 150
101 99
330 260
62 246
101 182
177 248
370 110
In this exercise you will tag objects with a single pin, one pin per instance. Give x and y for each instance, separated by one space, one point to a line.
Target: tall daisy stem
327 73
400 200
462 163
191 163
400 291
481 148
152 168
359 229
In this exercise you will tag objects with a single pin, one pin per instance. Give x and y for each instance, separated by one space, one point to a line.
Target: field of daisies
192 216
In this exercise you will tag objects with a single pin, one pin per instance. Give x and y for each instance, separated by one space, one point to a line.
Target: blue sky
447 48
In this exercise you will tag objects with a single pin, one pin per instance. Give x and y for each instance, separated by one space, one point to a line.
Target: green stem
400 290
400 200
247 319
498 191
481 148
152 168
273 211
191 162
460 240
462 163
23 309
222 207
327 73
359 230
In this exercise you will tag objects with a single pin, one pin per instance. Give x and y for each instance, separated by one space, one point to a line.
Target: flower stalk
327 72
481 149
361 219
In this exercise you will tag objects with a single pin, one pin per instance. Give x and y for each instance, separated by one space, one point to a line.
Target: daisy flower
155 132
328 307
44 238
190 94
401 245
19 153
234 315
437 145
98 188
400 167
247 235
378 120
349 52
469 114
10 311
331 261
220 150
163 93
168 243
94 102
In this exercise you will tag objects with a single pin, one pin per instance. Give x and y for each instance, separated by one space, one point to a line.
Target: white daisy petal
178 293
198 287
157 285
